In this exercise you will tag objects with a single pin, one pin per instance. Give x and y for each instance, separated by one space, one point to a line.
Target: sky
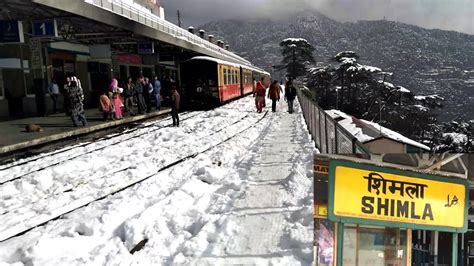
457 15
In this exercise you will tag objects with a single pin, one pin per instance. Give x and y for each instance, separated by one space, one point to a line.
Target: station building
95 40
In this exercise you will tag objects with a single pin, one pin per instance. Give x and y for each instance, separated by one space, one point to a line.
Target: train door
241 82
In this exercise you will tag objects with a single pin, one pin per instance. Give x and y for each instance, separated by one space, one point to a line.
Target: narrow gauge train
207 81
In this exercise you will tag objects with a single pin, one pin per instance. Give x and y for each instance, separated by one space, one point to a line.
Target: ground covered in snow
241 192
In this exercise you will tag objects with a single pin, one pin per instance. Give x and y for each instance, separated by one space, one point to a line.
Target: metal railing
155 22
328 135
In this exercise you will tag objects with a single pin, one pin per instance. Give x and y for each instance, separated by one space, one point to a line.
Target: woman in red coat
260 95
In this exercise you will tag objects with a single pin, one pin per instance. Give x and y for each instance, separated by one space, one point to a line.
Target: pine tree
362 91
297 55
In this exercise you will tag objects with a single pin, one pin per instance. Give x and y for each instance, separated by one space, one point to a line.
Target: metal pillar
340 244
454 257
435 237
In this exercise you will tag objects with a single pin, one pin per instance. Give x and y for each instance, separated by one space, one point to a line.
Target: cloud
442 14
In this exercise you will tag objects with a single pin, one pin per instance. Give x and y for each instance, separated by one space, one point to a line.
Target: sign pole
454 256
340 243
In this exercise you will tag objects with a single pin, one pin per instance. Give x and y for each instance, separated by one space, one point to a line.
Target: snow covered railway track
70 186
36 218
145 125
155 127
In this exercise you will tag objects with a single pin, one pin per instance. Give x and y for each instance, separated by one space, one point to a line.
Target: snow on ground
247 200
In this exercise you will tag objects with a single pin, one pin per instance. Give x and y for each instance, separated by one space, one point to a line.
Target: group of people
141 92
274 93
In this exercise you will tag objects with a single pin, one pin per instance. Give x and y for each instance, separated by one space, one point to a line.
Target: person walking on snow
157 92
290 95
260 95
175 99
274 94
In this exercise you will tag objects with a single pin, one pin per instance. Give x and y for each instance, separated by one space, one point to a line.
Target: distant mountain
424 61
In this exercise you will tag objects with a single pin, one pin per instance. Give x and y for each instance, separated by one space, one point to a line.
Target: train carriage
208 81
246 80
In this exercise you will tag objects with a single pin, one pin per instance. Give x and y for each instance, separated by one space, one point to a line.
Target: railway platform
57 127
230 185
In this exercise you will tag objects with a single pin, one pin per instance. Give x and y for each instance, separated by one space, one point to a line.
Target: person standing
128 93
274 94
106 106
139 93
76 107
116 98
147 90
53 90
260 95
175 99
157 92
290 95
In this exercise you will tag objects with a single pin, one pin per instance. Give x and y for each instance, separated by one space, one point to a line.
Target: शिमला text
394 208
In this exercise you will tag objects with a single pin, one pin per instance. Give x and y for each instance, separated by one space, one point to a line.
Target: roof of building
366 131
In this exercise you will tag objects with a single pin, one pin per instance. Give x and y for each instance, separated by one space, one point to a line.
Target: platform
58 126
274 214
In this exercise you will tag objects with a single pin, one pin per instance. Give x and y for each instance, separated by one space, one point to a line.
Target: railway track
7 179
86 143
68 187
39 220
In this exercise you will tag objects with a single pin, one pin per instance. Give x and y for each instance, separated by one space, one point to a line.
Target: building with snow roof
376 138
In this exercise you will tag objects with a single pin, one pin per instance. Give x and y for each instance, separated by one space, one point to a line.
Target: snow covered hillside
423 61
228 186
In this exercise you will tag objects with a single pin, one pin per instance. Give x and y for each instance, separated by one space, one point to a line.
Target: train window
225 76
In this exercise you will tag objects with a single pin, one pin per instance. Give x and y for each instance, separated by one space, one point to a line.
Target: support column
454 256
340 244
434 242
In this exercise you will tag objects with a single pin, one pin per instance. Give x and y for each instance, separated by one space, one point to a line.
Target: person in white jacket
53 90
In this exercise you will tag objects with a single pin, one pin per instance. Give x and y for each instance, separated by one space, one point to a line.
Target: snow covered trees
454 136
363 91
297 54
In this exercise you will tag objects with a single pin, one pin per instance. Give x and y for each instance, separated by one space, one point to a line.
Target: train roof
220 61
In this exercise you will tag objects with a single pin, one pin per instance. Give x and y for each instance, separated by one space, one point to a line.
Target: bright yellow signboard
385 195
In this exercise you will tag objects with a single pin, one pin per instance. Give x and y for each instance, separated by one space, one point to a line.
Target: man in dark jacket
290 95
175 99
128 93
139 92
274 94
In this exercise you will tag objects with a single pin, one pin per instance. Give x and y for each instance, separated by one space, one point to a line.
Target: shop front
373 215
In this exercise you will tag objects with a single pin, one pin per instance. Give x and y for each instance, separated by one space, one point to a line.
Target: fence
328 135
153 21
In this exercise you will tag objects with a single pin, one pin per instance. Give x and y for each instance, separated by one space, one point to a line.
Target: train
207 82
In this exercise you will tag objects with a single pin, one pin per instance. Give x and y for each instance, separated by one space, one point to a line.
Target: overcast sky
442 14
